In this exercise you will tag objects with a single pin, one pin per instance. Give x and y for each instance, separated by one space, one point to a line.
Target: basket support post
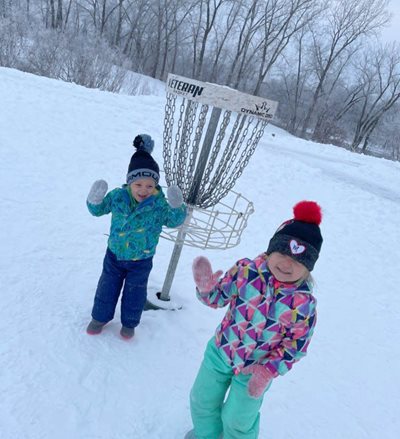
176 253
205 152
173 264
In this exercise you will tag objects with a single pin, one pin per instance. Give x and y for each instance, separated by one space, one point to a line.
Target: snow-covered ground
58 382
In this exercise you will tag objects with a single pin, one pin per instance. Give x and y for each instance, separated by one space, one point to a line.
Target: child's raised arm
203 276
97 191
95 199
211 290
175 197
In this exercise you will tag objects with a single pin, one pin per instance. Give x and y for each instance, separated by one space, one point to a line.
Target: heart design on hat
296 248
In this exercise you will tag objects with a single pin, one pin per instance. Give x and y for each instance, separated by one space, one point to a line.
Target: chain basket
218 227
206 176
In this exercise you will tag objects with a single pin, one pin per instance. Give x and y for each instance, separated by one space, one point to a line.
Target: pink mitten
204 278
260 378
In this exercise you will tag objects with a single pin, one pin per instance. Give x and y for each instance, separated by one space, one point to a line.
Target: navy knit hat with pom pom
300 237
142 164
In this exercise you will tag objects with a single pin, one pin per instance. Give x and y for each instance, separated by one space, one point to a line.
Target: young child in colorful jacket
139 210
267 328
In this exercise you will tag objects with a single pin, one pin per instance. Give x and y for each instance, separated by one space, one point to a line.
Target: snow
58 382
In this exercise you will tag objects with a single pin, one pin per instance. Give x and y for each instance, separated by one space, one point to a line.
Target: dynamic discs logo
262 110
185 88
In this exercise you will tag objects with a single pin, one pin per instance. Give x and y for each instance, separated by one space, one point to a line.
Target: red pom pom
308 211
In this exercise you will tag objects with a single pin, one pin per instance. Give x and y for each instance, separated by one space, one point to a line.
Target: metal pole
173 263
201 166
205 152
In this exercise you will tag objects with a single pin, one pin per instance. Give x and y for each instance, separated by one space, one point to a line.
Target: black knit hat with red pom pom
300 237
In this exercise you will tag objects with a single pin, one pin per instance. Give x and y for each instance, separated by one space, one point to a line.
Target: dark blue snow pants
134 294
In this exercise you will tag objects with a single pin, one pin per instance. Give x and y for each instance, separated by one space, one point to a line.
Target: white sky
392 32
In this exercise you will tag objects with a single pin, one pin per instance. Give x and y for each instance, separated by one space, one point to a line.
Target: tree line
323 61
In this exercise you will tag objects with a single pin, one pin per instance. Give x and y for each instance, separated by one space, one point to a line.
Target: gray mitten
97 192
175 197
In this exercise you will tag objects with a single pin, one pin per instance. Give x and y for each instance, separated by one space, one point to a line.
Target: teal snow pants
235 418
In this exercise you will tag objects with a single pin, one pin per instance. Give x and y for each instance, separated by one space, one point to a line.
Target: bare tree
328 108
294 74
100 11
56 13
380 76
345 23
107 11
52 14
387 133
68 11
206 25
232 18
137 19
118 31
59 14
247 26
282 20
175 16
91 7
318 78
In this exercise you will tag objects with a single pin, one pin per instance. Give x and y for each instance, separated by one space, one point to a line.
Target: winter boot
95 327
127 332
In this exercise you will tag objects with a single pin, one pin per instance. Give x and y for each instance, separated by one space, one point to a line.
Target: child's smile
286 269
142 188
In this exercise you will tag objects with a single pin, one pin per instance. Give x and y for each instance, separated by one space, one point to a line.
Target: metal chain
196 145
175 168
190 117
238 145
167 135
216 149
180 161
217 180
252 142
217 187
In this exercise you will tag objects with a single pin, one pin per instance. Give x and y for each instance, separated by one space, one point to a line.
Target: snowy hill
58 382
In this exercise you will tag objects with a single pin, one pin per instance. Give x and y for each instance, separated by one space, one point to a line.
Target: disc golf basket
210 133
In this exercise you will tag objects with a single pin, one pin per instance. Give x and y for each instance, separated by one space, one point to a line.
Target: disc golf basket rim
216 227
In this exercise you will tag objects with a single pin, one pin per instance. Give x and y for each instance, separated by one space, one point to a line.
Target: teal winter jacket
136 227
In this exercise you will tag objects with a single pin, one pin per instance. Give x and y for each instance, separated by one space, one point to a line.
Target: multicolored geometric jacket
267 323
136 227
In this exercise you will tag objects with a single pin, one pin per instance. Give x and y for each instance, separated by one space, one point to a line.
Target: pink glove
260 378
204 278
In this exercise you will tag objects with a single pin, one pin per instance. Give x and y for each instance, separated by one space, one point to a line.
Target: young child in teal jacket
267 328
139 209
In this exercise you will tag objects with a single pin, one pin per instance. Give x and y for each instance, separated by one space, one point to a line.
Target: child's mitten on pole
175 197
97 192
260 378
203 276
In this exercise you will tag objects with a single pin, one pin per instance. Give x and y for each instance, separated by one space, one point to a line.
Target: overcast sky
393 31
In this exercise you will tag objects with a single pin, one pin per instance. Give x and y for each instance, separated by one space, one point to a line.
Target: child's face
142 188
286 269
